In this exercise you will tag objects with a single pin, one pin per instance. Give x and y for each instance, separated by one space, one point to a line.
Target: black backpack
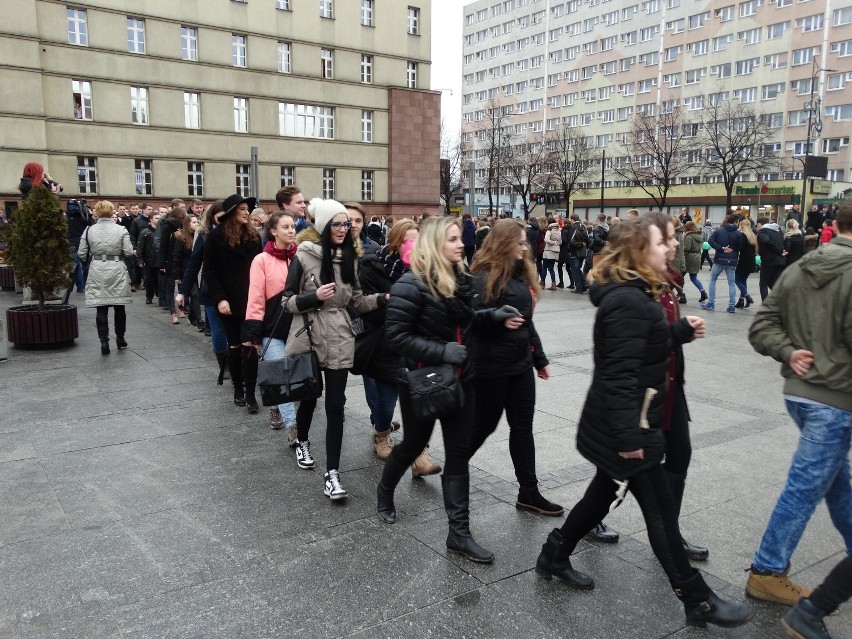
598 239
74 208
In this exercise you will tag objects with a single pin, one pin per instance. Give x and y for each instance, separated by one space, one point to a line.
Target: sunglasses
345 225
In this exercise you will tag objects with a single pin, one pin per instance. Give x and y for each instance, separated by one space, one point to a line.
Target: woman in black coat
180 250
228 253
429 321
620 425
507 360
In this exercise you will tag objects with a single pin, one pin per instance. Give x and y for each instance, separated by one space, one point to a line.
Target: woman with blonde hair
430 321
746 263
107 245
794 242
620 425
508 358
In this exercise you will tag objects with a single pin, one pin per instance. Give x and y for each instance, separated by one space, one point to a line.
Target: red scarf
285 254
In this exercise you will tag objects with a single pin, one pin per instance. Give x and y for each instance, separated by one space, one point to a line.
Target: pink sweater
266 281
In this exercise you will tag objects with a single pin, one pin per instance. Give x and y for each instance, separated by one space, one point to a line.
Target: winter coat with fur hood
108 244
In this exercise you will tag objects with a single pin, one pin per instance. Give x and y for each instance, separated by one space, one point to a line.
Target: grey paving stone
29 508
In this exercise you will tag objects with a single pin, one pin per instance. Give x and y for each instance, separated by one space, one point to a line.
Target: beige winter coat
332 332
108 283
552 241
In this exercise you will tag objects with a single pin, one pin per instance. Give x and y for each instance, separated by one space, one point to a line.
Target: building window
284 5
411 75
195 179
238 50
139 105
366 126
327 63
367 186
243 179
241 115
78 30
144 177
366 69
288 176
326 9
413 20
82 92
367 13
189 43
87 174
328 184
305 121
192 110
135 35
284 49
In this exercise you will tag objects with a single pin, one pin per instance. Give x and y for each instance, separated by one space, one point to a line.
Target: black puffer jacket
226 271
501 352
375 279
418 325
632 341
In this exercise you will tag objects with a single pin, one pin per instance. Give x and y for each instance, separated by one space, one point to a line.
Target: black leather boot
222 360
391 475
235 365
703 606
602 532
456 503
703 296
250 378
677 483
555 561
740 303
120 327
102 324
749 301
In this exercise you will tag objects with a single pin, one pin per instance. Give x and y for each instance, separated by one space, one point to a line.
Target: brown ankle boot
424 465
382 444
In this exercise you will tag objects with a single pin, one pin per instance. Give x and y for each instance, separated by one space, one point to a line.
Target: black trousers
468 254
705 255
559 265
768 276
456 429
652 492
836 589
335 400
678 443
102 321
515 395
152 274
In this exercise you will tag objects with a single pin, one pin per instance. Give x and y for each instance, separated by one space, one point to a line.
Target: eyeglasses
523 243
345 225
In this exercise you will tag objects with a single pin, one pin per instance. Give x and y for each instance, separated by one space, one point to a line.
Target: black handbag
366 344
435 391
292 378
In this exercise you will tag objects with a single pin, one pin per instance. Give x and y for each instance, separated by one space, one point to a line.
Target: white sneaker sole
335 497
305 465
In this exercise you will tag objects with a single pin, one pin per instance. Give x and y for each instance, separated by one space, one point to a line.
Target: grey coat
108 283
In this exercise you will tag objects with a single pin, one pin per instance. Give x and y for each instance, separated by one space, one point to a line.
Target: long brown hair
623 257
236 233
396 237
185 234
496 258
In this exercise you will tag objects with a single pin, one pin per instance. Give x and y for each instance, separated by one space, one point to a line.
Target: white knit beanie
323 211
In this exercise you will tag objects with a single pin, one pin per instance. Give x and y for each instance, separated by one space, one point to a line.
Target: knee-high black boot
457 505
120 327
250 377
235 365
391 475
703 606
677 483
222 360
102 323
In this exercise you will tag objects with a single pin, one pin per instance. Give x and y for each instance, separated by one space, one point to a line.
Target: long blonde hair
427 257
745 229
623 257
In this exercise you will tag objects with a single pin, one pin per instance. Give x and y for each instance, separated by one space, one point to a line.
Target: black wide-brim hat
233 201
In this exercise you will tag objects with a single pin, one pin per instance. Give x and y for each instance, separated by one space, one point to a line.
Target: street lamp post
810 107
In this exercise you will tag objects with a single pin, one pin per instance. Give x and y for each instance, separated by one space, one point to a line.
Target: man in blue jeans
805 325
726 241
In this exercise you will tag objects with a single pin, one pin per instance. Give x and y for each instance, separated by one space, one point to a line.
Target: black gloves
454 353
506 312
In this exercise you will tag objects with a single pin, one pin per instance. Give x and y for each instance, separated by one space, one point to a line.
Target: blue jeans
820 469
694 278
729 271
79 274
275 350
381 398
218 339
576 266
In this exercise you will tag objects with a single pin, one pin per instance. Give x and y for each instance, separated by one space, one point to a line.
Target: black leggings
678 445
768 276
335 399
456 428
516 395
233 329
651 489
836 589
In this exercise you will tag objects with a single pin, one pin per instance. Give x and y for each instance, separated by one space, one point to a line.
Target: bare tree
494 135
737 139
524 167
657 154
571 160
453 149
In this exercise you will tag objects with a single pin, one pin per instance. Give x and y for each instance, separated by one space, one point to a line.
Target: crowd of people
311 276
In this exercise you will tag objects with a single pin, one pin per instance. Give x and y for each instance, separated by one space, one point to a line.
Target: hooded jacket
770 245
680 258
692 247
552 241
632 342
810 308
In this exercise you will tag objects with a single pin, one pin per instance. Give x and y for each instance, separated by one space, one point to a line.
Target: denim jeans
575 263
729 271
381 398
820 469
694 279
218 339
79 274
275 350
742 284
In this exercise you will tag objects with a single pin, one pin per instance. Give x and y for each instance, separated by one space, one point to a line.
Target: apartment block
159 99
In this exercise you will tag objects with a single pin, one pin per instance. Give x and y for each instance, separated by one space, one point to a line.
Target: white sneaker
333 490
303 455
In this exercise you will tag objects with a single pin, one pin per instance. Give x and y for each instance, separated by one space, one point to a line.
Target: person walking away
78 222
811 239
692 248
468 237
725 240
679 262
552 242
533 235
747 263
770 247
597 240
322 288
507 360
816 364
564 260
106 245
794 242
706 232
805 620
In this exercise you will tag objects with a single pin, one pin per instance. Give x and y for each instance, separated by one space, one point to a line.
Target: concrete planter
56 325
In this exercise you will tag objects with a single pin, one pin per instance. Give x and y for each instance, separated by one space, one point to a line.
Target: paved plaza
137 501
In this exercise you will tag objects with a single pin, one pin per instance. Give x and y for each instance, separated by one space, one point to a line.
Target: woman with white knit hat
322 285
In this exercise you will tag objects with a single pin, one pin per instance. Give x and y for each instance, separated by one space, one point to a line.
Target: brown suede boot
424 465
382 444
776 588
